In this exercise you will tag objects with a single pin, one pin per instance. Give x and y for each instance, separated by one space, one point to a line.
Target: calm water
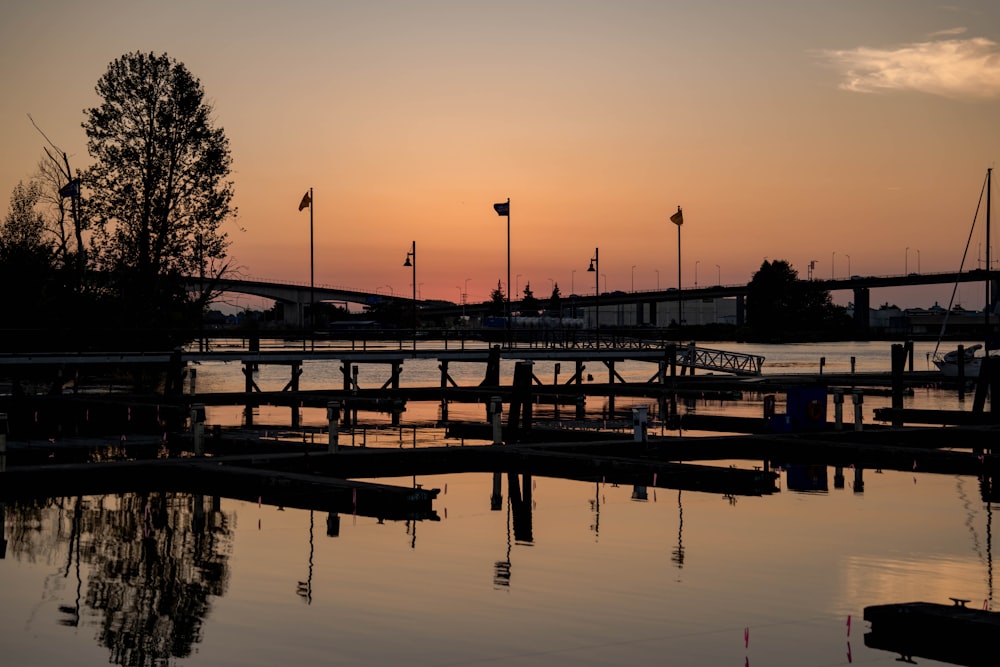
583 574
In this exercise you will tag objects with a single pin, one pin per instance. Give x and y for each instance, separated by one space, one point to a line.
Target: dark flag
678 217
306 200
503 208
71 189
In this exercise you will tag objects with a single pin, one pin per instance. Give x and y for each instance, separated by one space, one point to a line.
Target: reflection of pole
496 498
678 556
305 587
501 568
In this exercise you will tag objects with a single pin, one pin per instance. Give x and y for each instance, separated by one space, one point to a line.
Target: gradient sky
843 132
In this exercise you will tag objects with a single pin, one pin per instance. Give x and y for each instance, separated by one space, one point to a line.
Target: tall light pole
503 209
848 265
696 262
833 265
918 260
411 261
595 268
572 282
633 278
906 261
718 274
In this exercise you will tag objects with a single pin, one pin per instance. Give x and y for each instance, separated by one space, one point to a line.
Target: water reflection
146 566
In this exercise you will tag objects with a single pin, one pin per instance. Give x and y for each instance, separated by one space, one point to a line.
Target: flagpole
312 273
680 300
508 274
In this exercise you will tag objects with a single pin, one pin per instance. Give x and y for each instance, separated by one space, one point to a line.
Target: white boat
970 363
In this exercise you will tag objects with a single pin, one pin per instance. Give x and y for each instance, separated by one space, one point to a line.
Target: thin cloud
949 32
949 67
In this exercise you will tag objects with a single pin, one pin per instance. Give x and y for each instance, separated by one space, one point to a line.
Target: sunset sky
855 133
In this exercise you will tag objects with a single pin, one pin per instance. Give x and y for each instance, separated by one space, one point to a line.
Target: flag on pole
503 208
71 189
306 201
678 217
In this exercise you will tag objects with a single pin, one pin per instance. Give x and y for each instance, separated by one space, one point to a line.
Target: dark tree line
97 257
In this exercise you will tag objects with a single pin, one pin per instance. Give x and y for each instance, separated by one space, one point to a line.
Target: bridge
296 296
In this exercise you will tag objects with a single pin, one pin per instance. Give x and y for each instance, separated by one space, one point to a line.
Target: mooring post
639 415
333 422
443 366
496 413
854 361
611 389
859 418
838 409
198 427
3 442
519 418
838 477
248 389
960 354
898 363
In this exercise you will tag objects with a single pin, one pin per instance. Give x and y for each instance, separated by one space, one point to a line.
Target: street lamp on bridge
411 261
595 268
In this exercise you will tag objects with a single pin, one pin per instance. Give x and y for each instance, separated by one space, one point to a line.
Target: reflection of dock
243 478
949 633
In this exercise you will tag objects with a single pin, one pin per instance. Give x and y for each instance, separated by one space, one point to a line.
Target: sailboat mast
989 274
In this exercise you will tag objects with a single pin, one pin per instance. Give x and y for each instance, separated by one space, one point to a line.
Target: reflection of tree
153 562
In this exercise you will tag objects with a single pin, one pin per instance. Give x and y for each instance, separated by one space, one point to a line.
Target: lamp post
657 280
918 260
718 274
572 282
696 262
595 268
411 261
833 265
906 261
633 278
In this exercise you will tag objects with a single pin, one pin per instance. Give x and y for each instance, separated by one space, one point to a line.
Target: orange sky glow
855 134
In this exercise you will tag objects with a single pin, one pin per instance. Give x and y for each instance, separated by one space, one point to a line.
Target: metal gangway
703 358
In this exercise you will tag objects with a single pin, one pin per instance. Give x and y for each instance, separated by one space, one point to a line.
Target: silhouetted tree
530 305
29 282
780 307
498 302
555 301
158 187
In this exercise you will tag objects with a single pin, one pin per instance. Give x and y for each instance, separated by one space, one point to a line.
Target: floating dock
952 633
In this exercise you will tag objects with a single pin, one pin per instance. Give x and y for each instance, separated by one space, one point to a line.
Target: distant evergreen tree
498 302
530 305
555 301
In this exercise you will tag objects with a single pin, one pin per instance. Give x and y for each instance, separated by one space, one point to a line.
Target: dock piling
838 409
333 420
198 427
3 442
496 413
859 398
